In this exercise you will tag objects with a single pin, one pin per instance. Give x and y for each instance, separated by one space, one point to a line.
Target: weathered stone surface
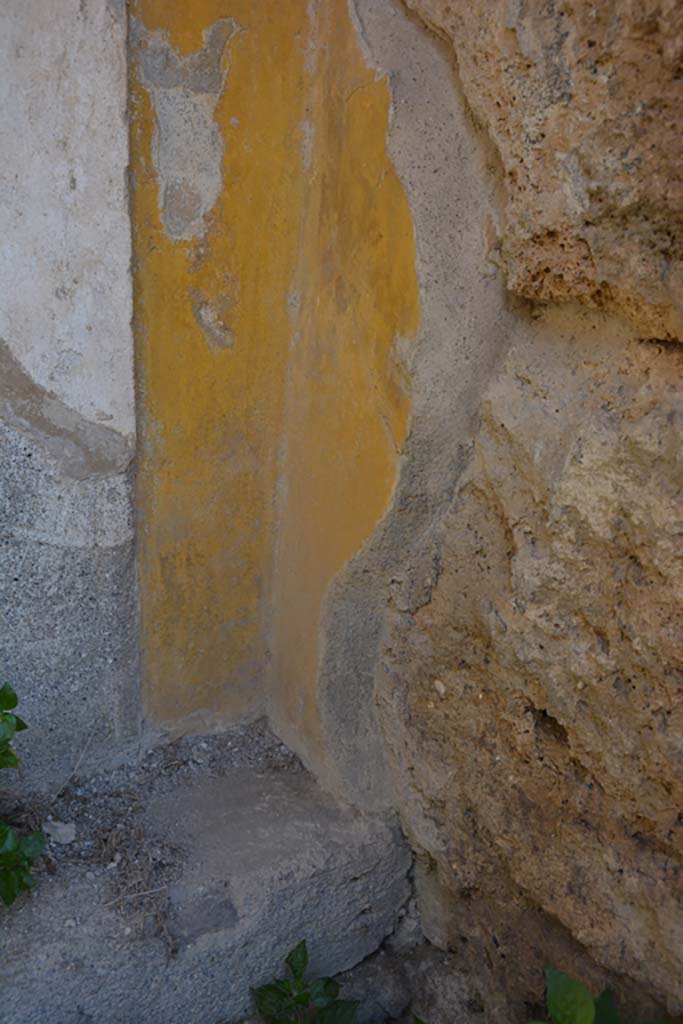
547 808
68 612
381 985
68 615
534 703
584 102
444 991
255 859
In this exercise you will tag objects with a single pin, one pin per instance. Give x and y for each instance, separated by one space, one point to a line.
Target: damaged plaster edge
374 797
453 357
188 146
141 42
82 449
359 26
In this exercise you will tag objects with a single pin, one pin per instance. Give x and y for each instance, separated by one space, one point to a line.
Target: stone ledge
260 859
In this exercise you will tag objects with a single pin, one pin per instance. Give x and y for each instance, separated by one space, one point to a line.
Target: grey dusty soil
173 884
113 842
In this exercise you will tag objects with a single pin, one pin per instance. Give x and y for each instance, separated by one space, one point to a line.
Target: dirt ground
103 812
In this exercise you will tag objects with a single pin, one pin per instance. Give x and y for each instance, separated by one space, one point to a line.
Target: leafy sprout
292 1000
17 853
570 1002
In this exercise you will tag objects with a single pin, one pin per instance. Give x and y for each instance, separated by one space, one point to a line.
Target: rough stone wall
500 661
534 705
68 632
584 103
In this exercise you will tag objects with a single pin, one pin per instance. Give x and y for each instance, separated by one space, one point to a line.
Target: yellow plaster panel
270 335
211 413
346 411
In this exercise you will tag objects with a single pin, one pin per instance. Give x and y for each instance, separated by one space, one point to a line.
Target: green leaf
341 1011
323 992
9 841
19 723
8 727
569 1002
10 887
297 961
606 1008
26 879
8 698
8 759
273 1001
32 846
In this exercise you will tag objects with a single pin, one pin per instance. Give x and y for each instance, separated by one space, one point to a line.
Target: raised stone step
199 888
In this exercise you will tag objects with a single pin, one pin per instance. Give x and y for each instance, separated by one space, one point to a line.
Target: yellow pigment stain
211 413
346 410
270 401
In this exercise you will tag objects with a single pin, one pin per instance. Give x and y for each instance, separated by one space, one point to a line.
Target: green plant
292 1000
9 724
570 1002
17 854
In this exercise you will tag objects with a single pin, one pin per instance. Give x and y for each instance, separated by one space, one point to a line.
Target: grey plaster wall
450 180
68 631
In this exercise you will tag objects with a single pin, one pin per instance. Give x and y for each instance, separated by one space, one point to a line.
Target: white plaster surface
65 287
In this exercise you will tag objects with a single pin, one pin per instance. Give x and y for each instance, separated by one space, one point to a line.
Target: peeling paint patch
81 448
211 317
187 147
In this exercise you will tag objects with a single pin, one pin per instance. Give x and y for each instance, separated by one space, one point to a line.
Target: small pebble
63 832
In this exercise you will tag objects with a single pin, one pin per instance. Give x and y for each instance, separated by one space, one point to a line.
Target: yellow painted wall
211 417
346 410
292 432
